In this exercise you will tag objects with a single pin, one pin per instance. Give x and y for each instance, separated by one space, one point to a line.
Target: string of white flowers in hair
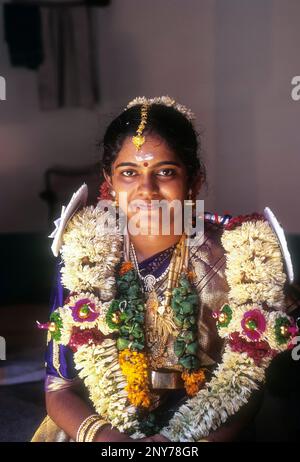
164 101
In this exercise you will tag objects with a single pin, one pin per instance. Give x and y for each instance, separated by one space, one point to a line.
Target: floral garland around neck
108 340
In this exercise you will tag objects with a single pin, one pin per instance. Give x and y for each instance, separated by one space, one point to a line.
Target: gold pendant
152 302
138 141
161 325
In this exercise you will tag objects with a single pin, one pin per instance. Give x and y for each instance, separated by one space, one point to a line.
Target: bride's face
152 173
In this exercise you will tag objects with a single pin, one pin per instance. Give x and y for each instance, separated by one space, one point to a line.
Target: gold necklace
159 322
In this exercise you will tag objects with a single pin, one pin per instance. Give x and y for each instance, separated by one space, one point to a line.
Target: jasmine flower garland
112 363
251 323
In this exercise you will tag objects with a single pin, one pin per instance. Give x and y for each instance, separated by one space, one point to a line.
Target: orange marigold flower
125 267
191 275
193 381
133 366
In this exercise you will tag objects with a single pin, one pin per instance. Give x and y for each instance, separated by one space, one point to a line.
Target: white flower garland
254 265
100 370
254 273
231 387
85 239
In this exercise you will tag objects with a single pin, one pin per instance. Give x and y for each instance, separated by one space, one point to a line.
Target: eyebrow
164 162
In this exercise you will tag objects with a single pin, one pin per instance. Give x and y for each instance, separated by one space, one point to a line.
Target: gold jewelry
138 140
166 380
149 281
114 195
163 318
80 435
93 429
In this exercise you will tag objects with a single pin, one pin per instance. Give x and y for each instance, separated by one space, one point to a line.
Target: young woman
155 339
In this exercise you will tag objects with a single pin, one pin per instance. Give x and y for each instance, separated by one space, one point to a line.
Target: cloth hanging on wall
57 41
67 76
23 34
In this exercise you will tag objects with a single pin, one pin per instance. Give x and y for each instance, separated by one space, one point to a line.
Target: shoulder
255 232
208 246
91 221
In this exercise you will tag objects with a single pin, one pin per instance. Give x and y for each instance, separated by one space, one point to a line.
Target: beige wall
231 61
30 142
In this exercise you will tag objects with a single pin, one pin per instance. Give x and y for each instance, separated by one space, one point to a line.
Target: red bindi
146 164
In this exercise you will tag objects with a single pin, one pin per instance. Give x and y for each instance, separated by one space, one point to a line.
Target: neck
146 246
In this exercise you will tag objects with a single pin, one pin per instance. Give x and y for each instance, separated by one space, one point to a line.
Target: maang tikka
138 140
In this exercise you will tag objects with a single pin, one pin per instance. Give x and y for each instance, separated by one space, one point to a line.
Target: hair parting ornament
138 140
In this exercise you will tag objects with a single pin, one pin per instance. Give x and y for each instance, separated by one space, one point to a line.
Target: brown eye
128 173
166 172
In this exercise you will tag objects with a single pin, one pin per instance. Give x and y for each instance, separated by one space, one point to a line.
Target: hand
111 435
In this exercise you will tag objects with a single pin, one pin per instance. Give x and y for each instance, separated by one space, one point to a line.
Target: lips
140 204
148 206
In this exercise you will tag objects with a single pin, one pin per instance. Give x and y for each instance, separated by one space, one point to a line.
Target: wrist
104 434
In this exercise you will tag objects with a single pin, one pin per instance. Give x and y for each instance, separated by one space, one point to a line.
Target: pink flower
84 311
253 324
255 350
85 337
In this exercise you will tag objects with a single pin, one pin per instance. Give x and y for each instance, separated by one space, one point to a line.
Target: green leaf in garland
129 276
184 282
225 316
113 316
57 321
179 347
193 298
187 308
122 343
137 346
189 336
178 322
192 348
186 361
193 320
176 292
124 330
137 332
133 292
176 304
195 363
186 323
281 330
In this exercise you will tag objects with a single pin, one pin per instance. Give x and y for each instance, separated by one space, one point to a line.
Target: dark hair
166 122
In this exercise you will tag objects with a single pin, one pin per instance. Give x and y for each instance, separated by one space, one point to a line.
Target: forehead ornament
138 140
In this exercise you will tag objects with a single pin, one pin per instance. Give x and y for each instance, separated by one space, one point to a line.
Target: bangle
93 429
80 435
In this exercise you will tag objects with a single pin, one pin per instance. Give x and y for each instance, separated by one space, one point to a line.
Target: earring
113 194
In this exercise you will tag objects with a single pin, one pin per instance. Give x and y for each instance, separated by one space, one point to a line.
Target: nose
148 187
